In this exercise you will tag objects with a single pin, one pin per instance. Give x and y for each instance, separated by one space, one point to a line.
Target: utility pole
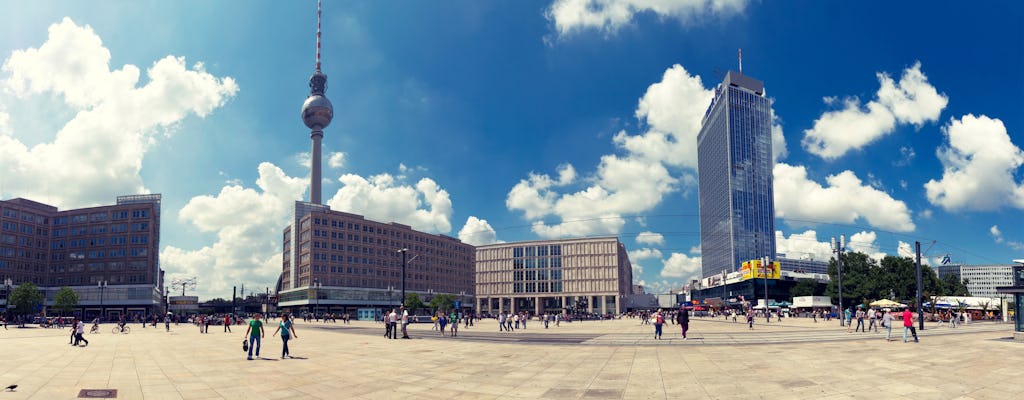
839 271
920 304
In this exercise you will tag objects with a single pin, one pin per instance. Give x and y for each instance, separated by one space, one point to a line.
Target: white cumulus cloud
913 100
680 265
425 206
997 235
336 160
803 246
248 224
477 232
650 238
845 200
115 120
608 16
979 164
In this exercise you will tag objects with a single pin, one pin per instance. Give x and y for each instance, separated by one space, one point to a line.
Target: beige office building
574 276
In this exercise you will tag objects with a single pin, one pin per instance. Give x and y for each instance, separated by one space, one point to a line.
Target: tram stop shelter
1017 290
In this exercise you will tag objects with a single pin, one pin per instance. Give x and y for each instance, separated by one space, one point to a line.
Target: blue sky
518 120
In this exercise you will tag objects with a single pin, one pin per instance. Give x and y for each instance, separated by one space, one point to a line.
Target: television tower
317 113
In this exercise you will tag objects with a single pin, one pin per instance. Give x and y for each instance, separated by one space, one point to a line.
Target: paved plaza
795 359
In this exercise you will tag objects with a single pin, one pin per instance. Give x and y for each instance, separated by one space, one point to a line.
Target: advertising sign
753 269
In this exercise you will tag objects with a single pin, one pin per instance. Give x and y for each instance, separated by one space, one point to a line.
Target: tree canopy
442 302
413 302
895 278
65 300
26 298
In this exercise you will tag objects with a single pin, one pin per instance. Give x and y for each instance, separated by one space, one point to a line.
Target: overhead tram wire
908 237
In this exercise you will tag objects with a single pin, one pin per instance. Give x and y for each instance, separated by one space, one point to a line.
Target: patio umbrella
886 303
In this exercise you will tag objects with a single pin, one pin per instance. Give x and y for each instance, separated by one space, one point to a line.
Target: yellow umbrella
886 303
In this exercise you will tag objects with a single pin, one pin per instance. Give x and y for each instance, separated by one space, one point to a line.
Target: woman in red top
908 324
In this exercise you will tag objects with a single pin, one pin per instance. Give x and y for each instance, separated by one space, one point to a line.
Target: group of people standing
391 321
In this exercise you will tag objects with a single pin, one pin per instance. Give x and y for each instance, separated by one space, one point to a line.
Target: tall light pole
316 290
103 286
403 251
764 267
7 303
839 271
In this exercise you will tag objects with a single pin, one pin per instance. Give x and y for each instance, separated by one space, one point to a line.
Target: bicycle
117 329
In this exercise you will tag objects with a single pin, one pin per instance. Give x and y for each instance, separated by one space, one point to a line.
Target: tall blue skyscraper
734 164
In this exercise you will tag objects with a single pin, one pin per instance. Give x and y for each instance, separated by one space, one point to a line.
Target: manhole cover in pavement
97 394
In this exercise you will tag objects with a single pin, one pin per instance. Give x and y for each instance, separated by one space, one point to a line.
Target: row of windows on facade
376 251
80 231
379 284
428 264
80 280
537 251
557 262
26 216
377 272
75 255
537 287
598 273
385 232
388 249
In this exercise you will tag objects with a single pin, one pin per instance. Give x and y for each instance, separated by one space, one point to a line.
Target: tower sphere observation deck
317 110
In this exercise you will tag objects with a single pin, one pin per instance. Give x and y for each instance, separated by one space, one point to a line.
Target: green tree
413 302
897 279
805 287
26 297
65 300
442 302
953 286
858 279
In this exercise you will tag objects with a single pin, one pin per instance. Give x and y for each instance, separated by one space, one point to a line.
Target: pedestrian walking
683 318
255 334
167 322
887 324
860 320
80 332
405 322
387 325
750 319
442 321
659 320
455 324
287 332
227 323
501 322
908 324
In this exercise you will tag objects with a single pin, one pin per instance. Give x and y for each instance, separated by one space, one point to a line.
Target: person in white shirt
393 322
405 323
80 331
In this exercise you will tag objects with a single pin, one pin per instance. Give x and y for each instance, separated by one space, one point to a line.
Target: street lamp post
7 302
403 251
764 267
316 291
103 286
839 271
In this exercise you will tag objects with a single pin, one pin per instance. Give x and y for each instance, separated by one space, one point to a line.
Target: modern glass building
734 157
574 276
109 255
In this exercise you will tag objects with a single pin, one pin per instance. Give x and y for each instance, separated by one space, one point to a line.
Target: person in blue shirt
287 332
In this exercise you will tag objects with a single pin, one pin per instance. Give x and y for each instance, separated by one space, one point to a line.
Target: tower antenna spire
318 53
318 35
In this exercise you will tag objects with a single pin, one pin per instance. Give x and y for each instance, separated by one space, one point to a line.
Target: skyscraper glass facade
734 156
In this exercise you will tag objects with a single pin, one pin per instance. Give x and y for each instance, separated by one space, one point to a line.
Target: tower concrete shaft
315 178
